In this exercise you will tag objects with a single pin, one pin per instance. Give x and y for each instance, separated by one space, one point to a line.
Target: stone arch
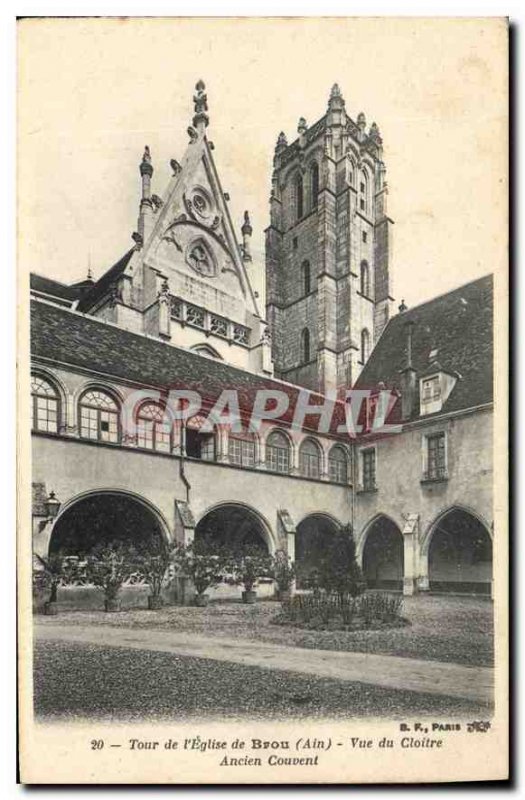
104 515
310 541
381 549
458 550
233 523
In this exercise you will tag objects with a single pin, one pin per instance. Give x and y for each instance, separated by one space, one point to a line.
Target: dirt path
434 677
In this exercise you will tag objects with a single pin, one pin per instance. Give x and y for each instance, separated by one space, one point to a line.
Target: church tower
328 293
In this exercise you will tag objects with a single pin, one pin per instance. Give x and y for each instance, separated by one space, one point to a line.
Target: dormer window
435 387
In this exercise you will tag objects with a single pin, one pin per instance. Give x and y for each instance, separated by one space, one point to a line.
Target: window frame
337 462
99 411
155 424
368 485
55 398
310 464
439 470
275 450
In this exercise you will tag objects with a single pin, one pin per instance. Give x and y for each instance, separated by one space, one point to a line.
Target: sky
93 92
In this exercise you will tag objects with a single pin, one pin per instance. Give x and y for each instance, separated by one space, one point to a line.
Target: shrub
339 571
283 571
108 566
49 574
204 563
247 565
152 568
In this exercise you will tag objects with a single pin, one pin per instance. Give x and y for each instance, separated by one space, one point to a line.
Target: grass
442 628
75 682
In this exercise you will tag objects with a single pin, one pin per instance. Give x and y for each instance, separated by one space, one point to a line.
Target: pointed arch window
365 345
278 453
99 416
305 346
365 279
45 405
154 428
299 196
363 192
338 465
310 459
306 278
314 184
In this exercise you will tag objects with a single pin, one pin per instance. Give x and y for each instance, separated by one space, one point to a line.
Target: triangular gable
193 234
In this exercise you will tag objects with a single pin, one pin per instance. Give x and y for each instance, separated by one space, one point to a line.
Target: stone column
423 583
410 542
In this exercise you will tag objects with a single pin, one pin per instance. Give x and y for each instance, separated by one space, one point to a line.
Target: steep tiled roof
103 284
458 325
53 288
86 342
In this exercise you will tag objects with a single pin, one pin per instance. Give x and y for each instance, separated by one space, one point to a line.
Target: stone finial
361 121
246 231
146 167
301 125
374 131
402 307
200 101
281 142
335 101
247 228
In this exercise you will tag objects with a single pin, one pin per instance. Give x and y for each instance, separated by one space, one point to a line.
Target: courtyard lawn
76 682
443 628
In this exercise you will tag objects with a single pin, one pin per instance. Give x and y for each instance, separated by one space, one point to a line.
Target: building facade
177 313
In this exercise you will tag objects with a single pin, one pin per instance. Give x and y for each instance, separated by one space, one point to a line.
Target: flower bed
342 612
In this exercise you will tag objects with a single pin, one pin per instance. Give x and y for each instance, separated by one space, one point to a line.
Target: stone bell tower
328 292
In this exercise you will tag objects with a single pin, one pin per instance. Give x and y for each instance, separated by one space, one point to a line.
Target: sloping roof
56 289
82 341
459 326
104 283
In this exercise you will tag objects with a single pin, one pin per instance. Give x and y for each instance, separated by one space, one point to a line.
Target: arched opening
199 443
234 527
310 459
338 465
460 554
299 197
306 277
99 415
365 346
154 427
365 279
278 452
305 345
383 555
312 535
45 400
314 184
104 518
206 350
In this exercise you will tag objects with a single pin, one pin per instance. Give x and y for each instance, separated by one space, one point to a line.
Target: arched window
310 459
45 402
99 416
365 345
338 465
365 279
154 428
199 443
206 350
299 196
363 192
306 277
278 453
241 448
314 184
305 346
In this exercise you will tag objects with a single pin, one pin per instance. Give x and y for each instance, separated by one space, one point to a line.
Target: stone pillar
222 433
183 588
410 542
423 583
286 534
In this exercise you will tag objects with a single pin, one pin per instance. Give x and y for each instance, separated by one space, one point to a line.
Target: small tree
203 563
339 571
246 566
108 566
50 574
153 569
283 571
